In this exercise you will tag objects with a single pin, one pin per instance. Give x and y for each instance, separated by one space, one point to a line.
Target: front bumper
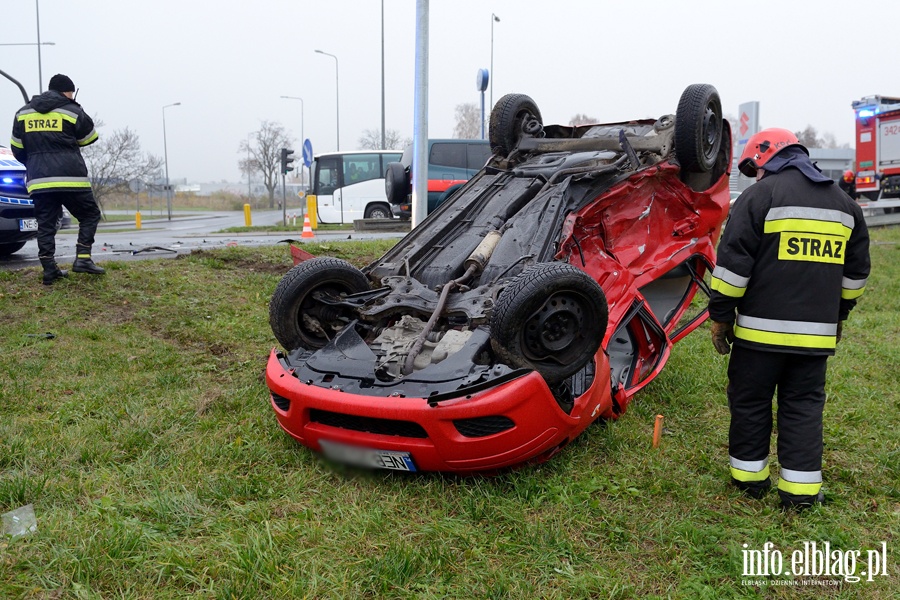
516 422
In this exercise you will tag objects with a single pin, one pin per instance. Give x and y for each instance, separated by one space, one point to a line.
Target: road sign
307 152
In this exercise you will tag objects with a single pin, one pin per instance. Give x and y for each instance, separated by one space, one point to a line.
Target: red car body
647 240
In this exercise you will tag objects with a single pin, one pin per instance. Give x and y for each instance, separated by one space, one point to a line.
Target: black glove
722 336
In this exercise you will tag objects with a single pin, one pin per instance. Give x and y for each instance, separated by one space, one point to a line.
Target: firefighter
48 134
848 183
792 262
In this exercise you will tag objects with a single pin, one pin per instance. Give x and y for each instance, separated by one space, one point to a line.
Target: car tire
698 128
449 192
396 183
378 211
514 116
7 249
298 319
551 318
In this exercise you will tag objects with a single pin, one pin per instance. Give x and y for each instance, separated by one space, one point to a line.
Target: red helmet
762 146
849 176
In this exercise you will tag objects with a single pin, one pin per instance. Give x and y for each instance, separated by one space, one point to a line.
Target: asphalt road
181 235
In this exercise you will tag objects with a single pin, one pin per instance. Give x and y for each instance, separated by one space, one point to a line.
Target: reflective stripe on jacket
792 261
47 137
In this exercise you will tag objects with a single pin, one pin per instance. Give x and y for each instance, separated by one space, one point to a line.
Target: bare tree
371 140
468 121
265 155
115 161
582 119
809 137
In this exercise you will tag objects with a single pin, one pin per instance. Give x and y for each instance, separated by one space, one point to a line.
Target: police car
17 220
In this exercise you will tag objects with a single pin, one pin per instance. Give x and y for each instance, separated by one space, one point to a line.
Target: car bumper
537 428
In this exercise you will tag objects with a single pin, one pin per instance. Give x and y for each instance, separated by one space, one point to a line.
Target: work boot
84 264
754 489
801 503
52 272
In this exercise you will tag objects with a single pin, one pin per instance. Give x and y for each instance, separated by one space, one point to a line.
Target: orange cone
307 228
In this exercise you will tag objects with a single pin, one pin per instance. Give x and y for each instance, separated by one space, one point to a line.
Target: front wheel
7 249
513 117
300 312
377 211
551 318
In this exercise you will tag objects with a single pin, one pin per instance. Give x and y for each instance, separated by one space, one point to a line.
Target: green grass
142 434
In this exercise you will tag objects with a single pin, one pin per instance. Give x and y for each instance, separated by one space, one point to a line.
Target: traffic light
287 158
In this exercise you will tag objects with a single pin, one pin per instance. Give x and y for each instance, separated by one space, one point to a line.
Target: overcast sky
228 63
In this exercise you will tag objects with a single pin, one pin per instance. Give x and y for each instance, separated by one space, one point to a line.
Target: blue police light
866 112
7 180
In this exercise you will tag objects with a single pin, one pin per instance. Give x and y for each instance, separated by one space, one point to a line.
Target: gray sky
228 63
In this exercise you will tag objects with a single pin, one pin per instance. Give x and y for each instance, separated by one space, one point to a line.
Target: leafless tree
809 137
115 161
468 121
371 140
582 119
265 155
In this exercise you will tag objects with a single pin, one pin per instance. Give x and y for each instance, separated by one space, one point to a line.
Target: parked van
350 185
451 163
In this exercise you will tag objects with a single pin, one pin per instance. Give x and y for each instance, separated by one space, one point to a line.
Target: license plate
28 225
368 457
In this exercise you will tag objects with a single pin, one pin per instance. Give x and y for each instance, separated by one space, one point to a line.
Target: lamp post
383 143
166 155
37 12
494 18
337 95
302 136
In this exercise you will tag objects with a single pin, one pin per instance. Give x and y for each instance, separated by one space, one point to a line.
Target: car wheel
514 116
298 316
396 183
551 318
378 211
7 249
698 128
449 192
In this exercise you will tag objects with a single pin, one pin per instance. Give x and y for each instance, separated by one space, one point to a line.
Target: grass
142 434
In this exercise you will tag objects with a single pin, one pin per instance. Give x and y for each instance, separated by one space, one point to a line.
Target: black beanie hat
61 83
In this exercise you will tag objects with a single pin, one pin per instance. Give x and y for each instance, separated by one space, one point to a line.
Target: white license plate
368 457
28 225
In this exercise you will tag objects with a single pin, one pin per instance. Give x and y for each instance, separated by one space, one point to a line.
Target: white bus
350 185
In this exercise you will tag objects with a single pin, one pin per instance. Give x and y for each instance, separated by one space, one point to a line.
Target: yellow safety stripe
58 184
82 256
16 143
727 289
748 476
798 340
88 139
799 489
851 294
808 226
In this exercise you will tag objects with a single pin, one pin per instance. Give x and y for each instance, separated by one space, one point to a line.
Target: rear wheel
514 116
551 318
300 313
698 128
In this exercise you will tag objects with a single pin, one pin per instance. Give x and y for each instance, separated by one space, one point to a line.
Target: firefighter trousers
48 211
754 376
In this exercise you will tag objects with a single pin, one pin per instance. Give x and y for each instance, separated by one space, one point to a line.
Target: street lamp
166 154
337 95
37 11
494 18
302 137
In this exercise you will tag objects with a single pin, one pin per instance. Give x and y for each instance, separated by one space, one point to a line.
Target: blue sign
307 152
481 80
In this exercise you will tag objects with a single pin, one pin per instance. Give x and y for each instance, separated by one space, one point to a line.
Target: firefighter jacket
48 134
792 261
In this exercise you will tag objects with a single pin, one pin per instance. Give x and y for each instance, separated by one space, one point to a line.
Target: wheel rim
710 131
311 310
552 333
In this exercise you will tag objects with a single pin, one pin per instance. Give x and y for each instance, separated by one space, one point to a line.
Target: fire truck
877 147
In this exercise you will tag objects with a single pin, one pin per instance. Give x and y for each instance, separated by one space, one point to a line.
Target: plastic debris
20 521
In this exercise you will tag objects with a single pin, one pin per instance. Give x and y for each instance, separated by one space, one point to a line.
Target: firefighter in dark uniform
47 137
792 262
848 183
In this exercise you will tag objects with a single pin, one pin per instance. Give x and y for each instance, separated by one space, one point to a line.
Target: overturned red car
537 299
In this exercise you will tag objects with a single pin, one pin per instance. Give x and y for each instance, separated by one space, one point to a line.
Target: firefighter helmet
849 176
762 146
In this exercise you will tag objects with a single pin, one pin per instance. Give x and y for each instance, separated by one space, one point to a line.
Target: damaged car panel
538 298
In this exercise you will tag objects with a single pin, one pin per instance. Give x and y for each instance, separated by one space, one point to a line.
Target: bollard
137 220
247 220
311 211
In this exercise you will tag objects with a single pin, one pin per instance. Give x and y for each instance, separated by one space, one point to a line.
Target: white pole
420 111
